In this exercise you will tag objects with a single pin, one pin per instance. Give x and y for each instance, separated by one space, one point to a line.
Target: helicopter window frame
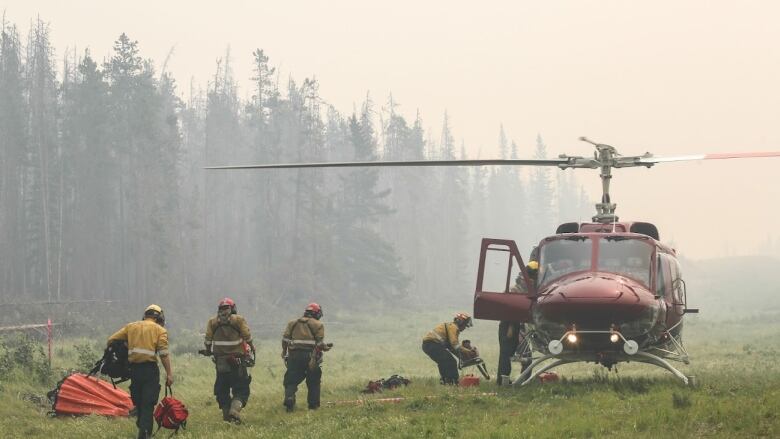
661 289
644 279
677 295
508 277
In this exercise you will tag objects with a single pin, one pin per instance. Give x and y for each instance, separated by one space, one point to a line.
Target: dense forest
103 195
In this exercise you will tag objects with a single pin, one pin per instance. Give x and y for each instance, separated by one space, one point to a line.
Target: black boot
235 411
289 398
289 403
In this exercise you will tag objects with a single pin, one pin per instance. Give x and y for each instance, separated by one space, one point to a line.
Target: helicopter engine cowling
597 301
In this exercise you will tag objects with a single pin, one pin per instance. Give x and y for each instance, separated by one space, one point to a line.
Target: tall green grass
735 364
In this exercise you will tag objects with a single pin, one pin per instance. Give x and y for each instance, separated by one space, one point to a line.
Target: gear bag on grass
393 382
114 363
170 412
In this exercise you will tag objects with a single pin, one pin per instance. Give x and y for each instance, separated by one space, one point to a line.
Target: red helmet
313 310
227 301
463 320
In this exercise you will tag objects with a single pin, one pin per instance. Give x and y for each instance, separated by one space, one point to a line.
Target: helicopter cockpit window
563 256
629 257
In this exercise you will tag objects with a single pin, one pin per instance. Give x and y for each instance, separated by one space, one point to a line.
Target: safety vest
146 340
303 334
227 337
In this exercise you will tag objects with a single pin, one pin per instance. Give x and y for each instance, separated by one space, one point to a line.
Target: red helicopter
607 291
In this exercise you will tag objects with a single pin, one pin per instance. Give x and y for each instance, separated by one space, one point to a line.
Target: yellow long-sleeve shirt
445 334
227 337
146 340
304 333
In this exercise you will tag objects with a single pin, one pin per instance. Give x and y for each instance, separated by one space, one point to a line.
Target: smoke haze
665 77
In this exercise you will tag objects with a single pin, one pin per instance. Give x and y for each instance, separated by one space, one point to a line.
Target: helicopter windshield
563 256
629 257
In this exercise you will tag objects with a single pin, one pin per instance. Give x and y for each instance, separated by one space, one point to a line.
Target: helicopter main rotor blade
649 160
563 162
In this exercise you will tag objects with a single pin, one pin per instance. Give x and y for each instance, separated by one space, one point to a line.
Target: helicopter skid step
533 371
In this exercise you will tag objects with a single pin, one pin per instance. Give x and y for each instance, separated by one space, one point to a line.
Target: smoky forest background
104 199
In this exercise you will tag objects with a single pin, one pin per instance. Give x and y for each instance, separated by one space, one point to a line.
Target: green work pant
144 391
232 385
507 345
297 371
448 367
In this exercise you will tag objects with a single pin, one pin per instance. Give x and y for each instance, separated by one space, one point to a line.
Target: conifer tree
43 168
90 169
541 195
13 146
372 266
452 217
502 196
145 142
224 205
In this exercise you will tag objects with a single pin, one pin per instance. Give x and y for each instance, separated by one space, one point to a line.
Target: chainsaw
471 358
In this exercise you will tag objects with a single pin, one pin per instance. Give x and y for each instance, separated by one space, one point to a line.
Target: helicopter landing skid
678 352
545 368
645 357
524 377
529 374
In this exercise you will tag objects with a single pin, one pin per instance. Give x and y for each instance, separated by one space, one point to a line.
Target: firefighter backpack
170 413
114 363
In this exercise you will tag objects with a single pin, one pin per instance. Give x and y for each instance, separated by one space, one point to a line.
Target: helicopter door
497 296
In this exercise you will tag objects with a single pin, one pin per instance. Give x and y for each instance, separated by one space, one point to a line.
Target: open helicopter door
495 298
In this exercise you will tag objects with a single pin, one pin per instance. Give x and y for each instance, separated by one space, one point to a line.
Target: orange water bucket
548 377
469 381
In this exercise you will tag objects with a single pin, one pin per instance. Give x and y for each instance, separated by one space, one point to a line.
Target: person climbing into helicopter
442 343
510 334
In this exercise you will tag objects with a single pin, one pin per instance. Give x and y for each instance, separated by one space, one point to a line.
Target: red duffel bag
170 412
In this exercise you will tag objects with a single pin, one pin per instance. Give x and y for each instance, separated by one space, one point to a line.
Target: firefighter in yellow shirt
442 343
146 340
228 339
303 342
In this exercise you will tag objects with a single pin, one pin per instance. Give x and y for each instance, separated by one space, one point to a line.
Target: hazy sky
669 77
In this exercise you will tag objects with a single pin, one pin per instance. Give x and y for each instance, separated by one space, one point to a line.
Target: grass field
735 363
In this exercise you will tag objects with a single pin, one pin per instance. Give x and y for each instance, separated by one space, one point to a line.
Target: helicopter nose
596 300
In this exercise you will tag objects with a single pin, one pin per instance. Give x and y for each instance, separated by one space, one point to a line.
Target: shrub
186 342
25 354
86 356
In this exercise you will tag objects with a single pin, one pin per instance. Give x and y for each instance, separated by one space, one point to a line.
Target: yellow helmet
155 312
533 265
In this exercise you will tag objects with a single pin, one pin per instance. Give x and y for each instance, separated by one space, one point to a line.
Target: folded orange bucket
469 381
